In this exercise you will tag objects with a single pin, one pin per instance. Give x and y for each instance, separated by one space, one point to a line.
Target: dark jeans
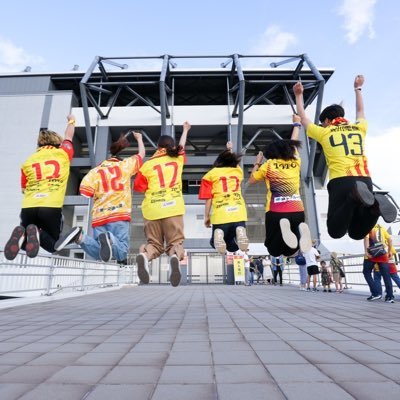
48 220
229 230
273 235
383 273
278 271
347 215
396 279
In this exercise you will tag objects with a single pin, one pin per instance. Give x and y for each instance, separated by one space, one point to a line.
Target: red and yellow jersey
282 178
110 186
343 146
44 176
380 234
161 179
222 185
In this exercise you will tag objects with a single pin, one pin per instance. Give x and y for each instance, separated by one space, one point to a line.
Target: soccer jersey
44 176
282 178
110 186
222 185
161 179
381 235
343 146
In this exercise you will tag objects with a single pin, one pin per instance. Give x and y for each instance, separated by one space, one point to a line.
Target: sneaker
315 290
32 241
174 271
14 244
305 238
389 299
372 298
362 194
143 268
71 236
330 290
105 247
386 208
324 290
241 238
219 242
288 236
308 289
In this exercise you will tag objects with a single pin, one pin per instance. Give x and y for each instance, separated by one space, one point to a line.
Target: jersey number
111 181
351 145
38 170
224 181
160 173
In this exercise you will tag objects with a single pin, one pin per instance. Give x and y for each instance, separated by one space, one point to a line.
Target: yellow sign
238 267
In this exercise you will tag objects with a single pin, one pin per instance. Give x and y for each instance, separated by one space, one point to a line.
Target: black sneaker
32 241
372 298
14 244
387 210
105 247
362 194
71 236
174 271
389 300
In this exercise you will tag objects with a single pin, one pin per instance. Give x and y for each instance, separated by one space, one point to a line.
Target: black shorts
312 270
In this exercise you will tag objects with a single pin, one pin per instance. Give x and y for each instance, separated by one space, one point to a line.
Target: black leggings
49 222
347 215
273 236
278 271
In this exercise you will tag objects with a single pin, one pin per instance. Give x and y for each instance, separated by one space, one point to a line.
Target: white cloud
273 41
14 58
358 18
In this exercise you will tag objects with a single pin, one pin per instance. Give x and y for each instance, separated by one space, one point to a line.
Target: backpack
300 259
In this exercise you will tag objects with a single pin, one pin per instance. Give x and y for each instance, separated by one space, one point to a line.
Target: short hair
227 159
49 138
331 112
284 149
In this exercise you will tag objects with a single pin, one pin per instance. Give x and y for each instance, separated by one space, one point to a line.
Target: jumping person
353 207
225 209
160 178
285 229
109 184
44 177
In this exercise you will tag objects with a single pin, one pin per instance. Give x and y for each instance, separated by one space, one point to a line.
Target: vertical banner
238 266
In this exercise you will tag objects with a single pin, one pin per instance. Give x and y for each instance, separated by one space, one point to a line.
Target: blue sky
352 36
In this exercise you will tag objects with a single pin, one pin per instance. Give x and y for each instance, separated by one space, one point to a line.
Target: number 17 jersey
222 185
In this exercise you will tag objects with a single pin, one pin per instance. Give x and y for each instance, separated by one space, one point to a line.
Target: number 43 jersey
222 185
343 146
110 186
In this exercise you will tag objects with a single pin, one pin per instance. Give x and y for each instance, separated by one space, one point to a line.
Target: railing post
83 277
50 278
104 275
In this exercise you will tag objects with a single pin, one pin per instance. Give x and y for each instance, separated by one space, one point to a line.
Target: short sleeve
87 186
314 131
205 191
261 173
140 184
67 146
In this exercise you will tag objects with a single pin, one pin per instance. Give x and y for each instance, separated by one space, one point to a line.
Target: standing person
267 270
337 272
353 207
301 263
246 262
312 257
326 277
285 229
378 237
160 178
277 268
260 269
252 270
44 177
109 184
225 208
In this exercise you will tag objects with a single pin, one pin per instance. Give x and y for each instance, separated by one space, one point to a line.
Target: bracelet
71 122
297 124
357 88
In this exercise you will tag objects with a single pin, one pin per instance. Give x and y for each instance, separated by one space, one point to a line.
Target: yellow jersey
343 146
44 176
222 185
110 186
282 178
161 179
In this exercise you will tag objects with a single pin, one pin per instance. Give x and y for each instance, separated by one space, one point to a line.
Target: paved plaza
201 342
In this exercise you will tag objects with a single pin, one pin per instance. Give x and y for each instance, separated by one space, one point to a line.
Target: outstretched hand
229 146
298 88
296 118
358 81
137 136
259 157
186 126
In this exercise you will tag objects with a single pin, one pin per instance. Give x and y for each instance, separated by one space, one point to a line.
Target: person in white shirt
246 260
312 257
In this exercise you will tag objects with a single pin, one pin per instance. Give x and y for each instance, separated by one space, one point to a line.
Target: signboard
238 267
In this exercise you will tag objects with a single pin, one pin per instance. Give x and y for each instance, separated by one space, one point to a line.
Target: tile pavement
201 342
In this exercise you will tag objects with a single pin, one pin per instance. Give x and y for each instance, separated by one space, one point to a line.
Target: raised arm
257 164
296 127
229 146
298 92
70 130
139 139
358 82
186 129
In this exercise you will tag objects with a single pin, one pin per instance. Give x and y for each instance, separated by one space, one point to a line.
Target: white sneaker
241 238
143 268
288 236
219 242
174 271
305 238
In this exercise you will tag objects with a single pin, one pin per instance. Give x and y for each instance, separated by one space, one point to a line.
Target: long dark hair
168 143
227 159
119 145
284 149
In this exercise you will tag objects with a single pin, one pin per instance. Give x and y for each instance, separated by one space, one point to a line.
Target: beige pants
164 234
